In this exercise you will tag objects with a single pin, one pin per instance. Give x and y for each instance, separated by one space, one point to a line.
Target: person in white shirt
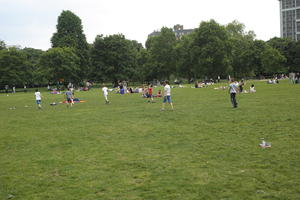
38 98
233 89
105 93
252 89
167 96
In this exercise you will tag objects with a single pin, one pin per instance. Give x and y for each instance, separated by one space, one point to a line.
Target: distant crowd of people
146 91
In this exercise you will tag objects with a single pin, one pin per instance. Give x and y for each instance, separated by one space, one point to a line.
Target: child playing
69 98
38 98
150 93
105 93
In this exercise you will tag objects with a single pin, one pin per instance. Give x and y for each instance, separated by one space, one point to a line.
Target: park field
130 150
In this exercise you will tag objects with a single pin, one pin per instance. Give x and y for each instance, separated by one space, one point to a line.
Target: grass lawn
130 150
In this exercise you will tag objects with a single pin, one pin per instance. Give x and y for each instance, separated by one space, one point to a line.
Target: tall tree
295 56
13 66
61 64
268 60
113 58
273 61
211 50
2 45
287 47
242 53
162 53
70 34
184 62
34 73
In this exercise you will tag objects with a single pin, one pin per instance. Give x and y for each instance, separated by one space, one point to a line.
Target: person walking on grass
105 94
38 98
233 89
69 97
150 93
167 96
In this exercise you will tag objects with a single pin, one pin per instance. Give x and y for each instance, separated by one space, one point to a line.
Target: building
177 29
290 19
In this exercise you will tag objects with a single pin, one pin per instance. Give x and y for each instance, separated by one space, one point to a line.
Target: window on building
298 13
288 4
298 27
297 3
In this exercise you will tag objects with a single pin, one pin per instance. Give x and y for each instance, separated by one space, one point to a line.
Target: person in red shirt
150 93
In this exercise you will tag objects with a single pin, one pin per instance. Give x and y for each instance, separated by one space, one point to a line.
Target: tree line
211 50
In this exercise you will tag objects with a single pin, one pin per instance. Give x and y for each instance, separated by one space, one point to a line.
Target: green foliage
272 61
162 54
113 58
268 60
211 50
2 45
243 52
34 73
70 34
286 47
61 64
295 66
13 67
184 64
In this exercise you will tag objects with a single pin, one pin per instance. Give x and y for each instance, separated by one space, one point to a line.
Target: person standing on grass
150 93
105 94
69 98
233 89
167 96
6 88
38 98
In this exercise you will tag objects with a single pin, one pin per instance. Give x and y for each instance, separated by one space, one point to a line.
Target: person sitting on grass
158 94
252 89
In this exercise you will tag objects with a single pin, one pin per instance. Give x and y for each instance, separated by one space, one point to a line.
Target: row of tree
211 50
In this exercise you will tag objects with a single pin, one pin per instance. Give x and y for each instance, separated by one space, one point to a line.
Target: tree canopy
211 50
70 34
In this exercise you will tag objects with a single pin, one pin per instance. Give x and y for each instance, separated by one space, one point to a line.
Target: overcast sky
31 23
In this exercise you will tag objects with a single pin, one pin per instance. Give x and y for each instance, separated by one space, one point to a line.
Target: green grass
130 150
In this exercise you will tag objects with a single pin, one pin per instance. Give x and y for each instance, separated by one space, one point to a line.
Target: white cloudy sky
31 23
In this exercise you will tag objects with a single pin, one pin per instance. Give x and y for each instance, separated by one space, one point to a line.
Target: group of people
273 81
148 93
234 88
13 88
68 93
237 87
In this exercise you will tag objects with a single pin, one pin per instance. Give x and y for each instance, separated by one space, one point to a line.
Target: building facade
290 19
178 31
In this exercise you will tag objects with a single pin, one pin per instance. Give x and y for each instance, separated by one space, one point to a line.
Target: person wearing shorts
69 97
38 98
167 96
